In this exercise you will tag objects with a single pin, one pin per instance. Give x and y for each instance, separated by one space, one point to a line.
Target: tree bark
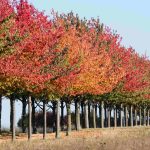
131 116
33 116
24 103
102 114
54 115
148 117
30 118
96 114
94 117
126 115
82 114
44 120
75 111
144 117
105 111
0 113
135 111
13 118
86 114
58 120
68 118
121 115
62 115
78 116
115 117
89 114
11 115
140 117
99 115
109 116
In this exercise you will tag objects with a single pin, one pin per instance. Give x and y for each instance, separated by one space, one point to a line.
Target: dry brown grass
137 138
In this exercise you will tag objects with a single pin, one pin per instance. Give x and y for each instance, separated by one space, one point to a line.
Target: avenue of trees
60 60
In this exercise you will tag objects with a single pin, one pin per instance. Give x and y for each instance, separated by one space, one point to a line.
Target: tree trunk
86 114
24 103
96 114
62 115
140 117
131 116
78 115
126 112
82 114
102 114
115 117
33 116
68 118
75 113
44 120
135 111
124 116
54 115
13 118
121 116
148 117
144 117
89 114
0 113
30 118
105 111
109 116
58 120
99 115
94 117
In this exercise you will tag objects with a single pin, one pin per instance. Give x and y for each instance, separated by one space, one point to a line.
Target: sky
130 18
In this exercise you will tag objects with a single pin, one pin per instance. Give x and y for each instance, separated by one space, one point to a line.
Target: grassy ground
137 138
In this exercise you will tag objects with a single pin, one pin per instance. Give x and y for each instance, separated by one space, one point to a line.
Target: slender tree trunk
68 118
0 113
24 103
44 120
89 114
13 118
105 110
135 111
102 114
140 117
148 117
78 116
121 116
33 116
82 114
62 115
131 115
124 120
99 115
126 112
75 113
58 120
115 117
30 118
144 117
54 115
94 117
86 114
96 114
109 116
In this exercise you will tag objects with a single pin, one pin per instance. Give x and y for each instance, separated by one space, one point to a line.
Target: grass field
137 138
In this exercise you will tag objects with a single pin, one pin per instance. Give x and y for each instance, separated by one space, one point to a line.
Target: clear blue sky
131 19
